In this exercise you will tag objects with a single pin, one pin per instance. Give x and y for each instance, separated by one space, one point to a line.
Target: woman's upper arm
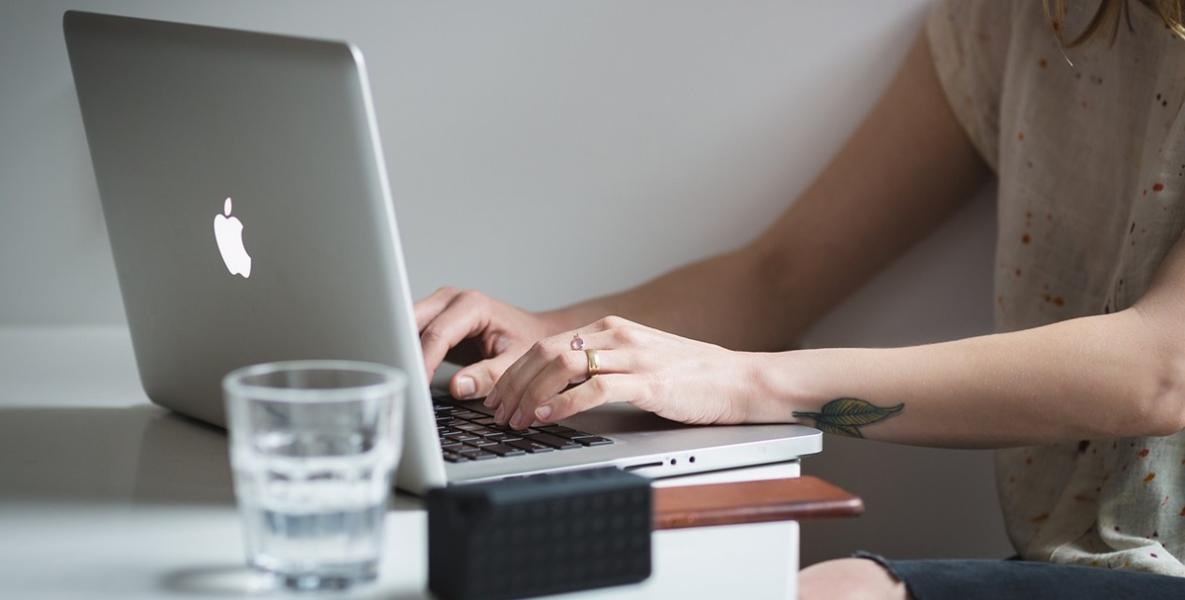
1162 313
904 170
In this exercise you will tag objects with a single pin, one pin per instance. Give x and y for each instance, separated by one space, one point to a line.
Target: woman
1082 389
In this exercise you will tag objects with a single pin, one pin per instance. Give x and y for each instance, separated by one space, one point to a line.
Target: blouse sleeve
969 42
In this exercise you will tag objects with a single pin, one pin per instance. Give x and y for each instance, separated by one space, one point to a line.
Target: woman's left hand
677 378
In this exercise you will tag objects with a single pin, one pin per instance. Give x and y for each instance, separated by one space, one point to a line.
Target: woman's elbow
1160 398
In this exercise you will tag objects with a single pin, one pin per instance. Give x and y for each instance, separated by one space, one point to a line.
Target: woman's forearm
1089 378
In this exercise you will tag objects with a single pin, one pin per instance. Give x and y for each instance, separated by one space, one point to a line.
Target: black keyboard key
468 414
502 437
461 437
509 429
453 457
476 454
562 431
593 440
484 421
529 446
554 441
478 443
504 450
468 426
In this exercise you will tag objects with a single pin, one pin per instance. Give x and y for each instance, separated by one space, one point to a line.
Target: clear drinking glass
313 445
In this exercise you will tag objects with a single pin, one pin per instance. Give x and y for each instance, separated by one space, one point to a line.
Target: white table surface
103 495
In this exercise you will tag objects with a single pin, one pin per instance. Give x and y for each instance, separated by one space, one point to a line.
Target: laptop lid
245 195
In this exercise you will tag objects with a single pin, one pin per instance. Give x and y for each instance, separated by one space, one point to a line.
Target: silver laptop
247 203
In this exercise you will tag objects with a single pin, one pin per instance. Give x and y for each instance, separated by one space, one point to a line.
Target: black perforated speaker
543 534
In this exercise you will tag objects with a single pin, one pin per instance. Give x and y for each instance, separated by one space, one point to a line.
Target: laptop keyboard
466 434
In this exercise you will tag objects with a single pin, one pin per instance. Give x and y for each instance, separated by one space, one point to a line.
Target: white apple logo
228 232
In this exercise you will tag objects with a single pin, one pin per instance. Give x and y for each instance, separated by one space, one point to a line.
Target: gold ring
594 367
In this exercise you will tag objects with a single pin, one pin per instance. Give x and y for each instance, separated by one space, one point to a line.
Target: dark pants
994 579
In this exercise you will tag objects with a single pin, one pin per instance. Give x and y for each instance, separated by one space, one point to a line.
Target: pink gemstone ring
577 342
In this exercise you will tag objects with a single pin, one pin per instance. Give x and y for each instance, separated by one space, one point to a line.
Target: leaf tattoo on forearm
847 415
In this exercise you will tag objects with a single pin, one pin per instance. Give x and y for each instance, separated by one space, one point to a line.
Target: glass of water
313 445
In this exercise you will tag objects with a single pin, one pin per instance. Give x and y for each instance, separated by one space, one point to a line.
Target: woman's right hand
471 329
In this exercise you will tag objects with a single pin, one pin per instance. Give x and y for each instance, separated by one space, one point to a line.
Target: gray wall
520 134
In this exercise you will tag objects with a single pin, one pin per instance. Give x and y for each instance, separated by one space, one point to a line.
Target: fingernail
516 420
543 412
466 387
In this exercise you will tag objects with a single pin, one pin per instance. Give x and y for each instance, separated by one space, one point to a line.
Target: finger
478 379
567 369
608 339
461 319
600 325
602 389
530 368
429 307
507 391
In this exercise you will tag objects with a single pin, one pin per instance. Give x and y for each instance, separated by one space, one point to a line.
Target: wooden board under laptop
791 499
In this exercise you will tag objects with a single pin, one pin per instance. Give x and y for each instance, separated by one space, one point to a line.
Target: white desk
103 495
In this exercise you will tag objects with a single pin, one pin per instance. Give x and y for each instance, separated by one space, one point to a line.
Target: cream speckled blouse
1091 166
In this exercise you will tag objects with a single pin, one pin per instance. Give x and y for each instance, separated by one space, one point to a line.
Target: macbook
246 199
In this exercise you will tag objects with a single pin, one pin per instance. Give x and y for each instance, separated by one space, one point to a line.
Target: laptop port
643 466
